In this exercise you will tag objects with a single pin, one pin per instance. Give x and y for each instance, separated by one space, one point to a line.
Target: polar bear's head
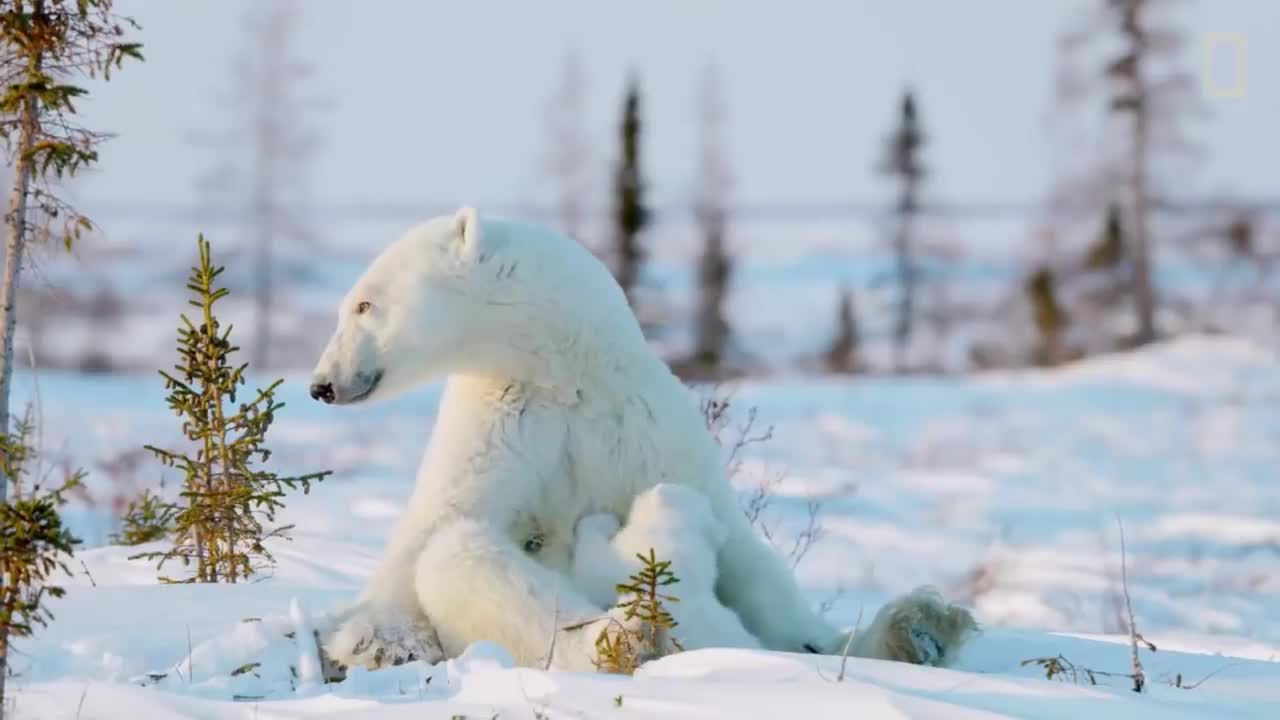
679 525
676 509
465 295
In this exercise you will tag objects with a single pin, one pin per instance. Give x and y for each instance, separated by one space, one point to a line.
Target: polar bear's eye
363 307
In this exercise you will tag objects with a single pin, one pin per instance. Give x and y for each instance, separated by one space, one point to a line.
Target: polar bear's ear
466 229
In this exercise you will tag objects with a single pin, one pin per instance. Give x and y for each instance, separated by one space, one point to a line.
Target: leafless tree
1126 57
569 160
711 205
264 157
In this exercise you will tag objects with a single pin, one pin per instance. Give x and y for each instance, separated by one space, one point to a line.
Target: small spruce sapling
221 522
34 543
620 649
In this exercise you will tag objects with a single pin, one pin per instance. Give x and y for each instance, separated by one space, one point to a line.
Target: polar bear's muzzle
362 386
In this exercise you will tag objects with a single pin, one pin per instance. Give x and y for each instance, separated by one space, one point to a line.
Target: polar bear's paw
920 628
374 638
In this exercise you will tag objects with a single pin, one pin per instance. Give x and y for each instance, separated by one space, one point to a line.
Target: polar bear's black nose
322 392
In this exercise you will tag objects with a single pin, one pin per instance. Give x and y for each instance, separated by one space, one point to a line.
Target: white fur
554 409
597 569
676 523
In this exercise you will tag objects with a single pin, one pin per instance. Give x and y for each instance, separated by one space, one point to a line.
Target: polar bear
677 525
554 409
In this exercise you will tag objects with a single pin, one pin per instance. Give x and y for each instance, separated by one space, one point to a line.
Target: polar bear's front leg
386 624
479 585
375 636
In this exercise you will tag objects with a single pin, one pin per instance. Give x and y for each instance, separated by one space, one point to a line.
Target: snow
990 682
1006 490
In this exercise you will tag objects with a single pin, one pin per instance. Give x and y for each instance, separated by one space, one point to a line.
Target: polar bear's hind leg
919 627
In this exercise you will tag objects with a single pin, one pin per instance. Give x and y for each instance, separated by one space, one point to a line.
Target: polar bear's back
564 277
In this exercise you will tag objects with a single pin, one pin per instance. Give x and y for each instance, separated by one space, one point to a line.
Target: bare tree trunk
4 660
906 296
569 161
908 204
269 140
1143 291
263 204
15 244
902 162
715 181
711 327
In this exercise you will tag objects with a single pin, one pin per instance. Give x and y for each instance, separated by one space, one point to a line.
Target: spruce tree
630 215
843 354
621 649
711 329
641 598
1048 315
1146 148
902 162
1108 251
227 501
47 43
1133 98
34 544
48 46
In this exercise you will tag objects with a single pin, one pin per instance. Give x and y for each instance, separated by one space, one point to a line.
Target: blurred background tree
261 162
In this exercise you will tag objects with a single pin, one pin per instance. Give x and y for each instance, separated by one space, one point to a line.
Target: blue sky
444 102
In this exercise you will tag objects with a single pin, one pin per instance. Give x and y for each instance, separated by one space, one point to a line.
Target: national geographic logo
1224 65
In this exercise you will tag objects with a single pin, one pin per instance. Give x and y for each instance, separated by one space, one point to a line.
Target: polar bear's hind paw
920 628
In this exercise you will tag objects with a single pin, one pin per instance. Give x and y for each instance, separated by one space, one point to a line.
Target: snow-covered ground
1007 491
